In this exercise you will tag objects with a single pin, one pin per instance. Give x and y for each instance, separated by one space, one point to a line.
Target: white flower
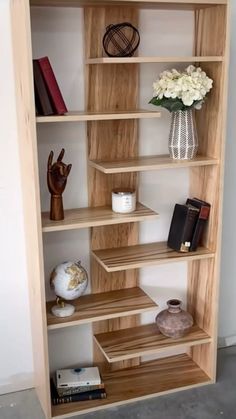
192 85
187 99
198 105
190 69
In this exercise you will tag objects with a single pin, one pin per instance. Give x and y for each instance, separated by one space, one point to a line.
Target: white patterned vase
183 139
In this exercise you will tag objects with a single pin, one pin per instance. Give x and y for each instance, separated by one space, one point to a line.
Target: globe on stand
69 281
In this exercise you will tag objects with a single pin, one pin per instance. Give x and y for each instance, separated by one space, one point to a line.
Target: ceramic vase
183 138
174 322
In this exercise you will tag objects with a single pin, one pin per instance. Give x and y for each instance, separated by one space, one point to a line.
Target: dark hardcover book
89 395
204 211
42 101
63 392
52 86
38 107
182 227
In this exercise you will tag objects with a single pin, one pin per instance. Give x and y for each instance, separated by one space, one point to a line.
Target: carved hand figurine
57 178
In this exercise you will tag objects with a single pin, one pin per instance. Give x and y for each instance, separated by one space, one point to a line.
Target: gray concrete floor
209 402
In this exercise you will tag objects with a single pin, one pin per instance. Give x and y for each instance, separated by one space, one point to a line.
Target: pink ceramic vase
174 322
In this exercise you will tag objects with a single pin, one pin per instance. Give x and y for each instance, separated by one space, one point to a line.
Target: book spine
204 208
78 390
190 223
52 86
42 101
93 395
200 225
177 225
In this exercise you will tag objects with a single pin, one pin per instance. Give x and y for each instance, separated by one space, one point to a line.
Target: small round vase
183 138
174 322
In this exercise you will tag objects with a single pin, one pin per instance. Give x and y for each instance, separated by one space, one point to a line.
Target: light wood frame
212 48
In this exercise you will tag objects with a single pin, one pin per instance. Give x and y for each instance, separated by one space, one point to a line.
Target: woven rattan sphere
121 40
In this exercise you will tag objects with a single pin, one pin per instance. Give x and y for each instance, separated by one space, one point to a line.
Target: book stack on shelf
188 224
48 97
74 385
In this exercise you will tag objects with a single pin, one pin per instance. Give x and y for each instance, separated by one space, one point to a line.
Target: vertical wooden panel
109 88
212 35
211 30
20 22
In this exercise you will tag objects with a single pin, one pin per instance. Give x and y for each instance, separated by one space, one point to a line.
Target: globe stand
62 309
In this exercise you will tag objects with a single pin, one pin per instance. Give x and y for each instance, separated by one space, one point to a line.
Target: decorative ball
69 280
121 40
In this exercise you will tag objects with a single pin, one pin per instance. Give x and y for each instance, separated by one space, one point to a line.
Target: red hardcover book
52 86
42 102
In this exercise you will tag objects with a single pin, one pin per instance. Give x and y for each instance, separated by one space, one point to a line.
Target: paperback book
78 377
69 391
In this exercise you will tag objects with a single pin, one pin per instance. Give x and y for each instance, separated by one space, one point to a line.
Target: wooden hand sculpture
57 178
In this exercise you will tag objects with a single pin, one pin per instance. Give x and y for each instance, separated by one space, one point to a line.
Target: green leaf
155 101
172 105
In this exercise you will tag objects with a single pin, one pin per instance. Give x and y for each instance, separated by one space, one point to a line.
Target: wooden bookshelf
94 217
105 305
141 255
144 340
150 379
77 116
148 163
116 301
150 60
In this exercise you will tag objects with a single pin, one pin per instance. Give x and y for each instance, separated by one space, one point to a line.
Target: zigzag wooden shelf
105 305
142 4
150 379
94 217
147 60
141 255
144 340
147 163
77 116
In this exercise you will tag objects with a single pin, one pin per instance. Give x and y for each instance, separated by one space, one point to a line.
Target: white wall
15 343
227 324
15 349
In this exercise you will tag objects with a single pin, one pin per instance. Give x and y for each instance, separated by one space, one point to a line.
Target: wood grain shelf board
144 340
141 255
147 163
99 116
147 60
150 379
102 306
142 4
95 217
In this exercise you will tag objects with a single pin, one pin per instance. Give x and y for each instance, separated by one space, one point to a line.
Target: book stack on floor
48 97
188 224
74 385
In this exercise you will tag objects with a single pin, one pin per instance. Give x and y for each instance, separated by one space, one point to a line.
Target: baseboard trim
17 383
224 342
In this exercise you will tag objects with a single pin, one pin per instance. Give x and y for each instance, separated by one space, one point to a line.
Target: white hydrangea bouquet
180 91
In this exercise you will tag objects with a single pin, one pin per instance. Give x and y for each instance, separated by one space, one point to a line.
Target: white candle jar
123 200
